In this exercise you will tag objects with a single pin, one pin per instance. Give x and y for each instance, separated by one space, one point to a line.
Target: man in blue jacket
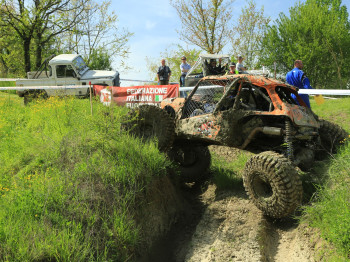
297 77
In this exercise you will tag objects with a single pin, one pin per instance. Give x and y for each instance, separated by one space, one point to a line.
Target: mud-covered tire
273 184
193 160
149 122
332 136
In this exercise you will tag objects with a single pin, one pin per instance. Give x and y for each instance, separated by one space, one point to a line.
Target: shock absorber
288 140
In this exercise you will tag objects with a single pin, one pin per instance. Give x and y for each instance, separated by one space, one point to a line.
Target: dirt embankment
225 226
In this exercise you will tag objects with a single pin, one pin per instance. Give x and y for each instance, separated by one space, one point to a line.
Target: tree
96 35
247 34
51 21
45 27
204 22
317 32
99 60
39 20
173 55
11 54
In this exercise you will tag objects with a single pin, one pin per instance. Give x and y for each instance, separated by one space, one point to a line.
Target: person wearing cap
184 68
240 67
232 69
163 74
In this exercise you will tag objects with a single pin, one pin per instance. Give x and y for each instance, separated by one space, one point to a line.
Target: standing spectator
163 74
232 69
297 77
184 67
240 67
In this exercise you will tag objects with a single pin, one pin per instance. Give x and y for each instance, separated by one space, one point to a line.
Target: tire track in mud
227 231
226 226
233 229
285 240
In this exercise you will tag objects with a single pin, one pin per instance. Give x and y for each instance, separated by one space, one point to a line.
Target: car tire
149 122
273 184
332 137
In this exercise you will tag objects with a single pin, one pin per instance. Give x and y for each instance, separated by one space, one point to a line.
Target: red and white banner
134 96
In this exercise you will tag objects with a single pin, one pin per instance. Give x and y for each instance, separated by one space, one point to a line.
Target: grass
228 175
69 181
330 207
337 111
6 84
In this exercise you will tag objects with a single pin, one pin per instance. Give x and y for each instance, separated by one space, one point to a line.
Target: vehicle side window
285 95
255 98
65 71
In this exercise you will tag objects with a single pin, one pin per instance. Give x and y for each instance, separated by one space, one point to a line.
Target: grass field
335 110
69 181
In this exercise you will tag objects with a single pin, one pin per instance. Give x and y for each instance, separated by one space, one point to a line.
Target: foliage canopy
247 33
317 32
204 22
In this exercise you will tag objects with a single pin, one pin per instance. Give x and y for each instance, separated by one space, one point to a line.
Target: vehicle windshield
79 64
204 99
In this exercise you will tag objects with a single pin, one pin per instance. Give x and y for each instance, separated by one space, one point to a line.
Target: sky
154 24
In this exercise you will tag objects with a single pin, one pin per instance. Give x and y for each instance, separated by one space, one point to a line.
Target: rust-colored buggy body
244 111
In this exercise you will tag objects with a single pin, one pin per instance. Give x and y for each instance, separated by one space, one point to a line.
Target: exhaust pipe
267 130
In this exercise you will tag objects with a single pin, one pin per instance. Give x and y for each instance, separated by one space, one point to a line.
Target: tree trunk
39 51
4 65
26 49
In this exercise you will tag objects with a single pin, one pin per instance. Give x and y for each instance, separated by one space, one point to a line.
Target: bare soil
221 225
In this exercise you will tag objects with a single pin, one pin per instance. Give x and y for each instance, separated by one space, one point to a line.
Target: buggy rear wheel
273 184
151 122
332 136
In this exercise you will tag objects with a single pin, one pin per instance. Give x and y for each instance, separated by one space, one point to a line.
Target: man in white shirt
184 67
240 67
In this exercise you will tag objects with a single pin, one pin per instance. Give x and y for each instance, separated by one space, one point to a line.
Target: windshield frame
80 65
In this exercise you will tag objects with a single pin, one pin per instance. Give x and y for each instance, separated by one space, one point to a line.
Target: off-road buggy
248 112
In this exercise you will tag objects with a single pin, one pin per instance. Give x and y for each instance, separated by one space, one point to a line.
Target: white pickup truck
64 70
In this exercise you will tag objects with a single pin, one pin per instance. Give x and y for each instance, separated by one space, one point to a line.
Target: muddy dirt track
226 226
